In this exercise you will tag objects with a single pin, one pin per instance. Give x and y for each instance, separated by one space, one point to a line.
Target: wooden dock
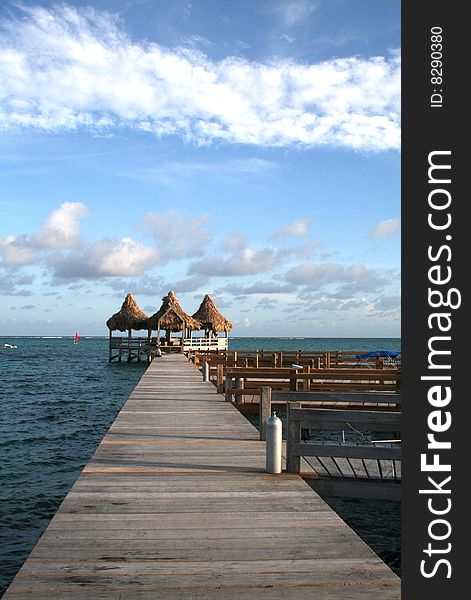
175 503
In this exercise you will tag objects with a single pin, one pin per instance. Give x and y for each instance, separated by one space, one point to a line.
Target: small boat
9 346
76 338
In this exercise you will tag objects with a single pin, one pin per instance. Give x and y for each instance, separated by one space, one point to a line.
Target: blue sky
247 149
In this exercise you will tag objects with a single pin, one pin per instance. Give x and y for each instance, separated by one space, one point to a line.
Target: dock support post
264 410
220 378
228 388
327 360
293 463
239 386
206 371
293 381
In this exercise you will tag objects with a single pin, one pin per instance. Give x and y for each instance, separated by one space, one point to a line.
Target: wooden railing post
293 462
327 360
264 410
228 387
239 383
307 382
220 378
338 358
206 371
293 381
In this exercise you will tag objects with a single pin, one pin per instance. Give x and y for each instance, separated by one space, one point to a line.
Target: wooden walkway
175 504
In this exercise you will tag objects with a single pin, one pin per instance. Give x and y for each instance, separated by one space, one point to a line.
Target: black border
426 129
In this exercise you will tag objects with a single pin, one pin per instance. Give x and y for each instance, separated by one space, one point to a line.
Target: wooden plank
364 420
356 397
347 450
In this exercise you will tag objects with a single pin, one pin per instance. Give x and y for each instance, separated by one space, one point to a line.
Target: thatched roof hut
129 317
210 318
172 317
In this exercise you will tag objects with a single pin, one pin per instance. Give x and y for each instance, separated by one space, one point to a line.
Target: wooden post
220 379
398 382
264 410
293 463
293 381
256 359
111 337
228 387
281 360
327 360
307 382
239 386
129 345
206 371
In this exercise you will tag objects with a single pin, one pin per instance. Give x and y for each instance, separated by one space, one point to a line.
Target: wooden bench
363 400
240 382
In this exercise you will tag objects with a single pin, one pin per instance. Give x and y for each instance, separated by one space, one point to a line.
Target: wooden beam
364 420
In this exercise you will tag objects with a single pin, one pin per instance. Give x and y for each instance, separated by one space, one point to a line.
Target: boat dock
175 503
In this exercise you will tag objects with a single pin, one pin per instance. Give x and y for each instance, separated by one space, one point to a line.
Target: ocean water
57 401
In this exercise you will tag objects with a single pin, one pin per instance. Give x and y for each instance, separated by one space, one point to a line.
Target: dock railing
269 399
343 467
240 382
285 358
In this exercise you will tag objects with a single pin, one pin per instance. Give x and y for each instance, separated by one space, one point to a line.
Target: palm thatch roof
129 317
210 318
171 316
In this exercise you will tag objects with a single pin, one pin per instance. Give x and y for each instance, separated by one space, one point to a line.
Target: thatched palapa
172 317
129 317
210 318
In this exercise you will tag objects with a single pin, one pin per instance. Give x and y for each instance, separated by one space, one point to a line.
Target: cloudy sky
249 149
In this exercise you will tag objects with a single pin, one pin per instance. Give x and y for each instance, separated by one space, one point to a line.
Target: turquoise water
57 401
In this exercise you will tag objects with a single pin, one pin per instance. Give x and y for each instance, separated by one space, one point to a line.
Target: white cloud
235 242
64 68
293 12
17 251
108 258
147 285
62 227
349 279
298 228
388 228
10 282
244 262
60 230
259 287
176 235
